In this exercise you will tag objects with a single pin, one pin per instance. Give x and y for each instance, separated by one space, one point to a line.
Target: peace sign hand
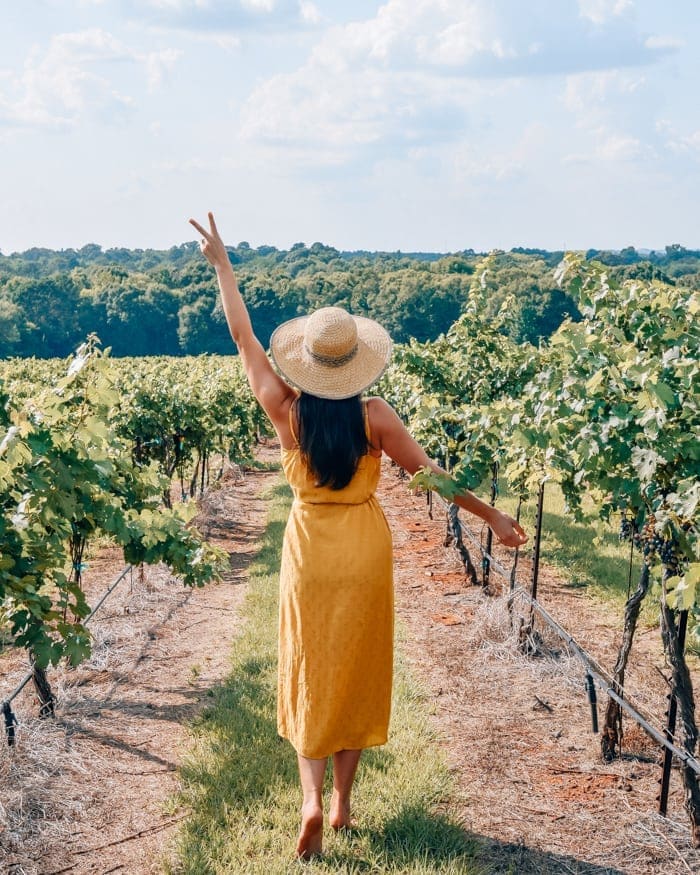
212 245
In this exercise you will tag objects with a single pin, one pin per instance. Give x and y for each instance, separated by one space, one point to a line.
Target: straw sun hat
330 353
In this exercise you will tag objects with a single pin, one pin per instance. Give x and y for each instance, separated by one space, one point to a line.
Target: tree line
165 302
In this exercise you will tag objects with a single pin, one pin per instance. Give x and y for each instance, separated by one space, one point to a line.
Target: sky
413 125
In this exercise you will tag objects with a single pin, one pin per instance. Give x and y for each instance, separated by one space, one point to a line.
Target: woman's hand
212 245
507 530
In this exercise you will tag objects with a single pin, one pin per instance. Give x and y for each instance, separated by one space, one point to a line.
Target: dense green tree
202 327
142 301
131 313
10 321
47 310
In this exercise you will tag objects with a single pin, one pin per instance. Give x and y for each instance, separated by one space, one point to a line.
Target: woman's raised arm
273 393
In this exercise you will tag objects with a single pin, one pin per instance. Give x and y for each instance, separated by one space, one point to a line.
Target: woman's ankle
314 800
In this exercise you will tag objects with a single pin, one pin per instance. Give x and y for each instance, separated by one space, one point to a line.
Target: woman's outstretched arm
398 444
273 393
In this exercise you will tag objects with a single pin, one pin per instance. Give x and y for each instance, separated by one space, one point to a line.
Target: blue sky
409 124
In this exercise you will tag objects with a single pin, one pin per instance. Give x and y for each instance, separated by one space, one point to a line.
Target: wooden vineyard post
592 701
10 722
514 567
538 542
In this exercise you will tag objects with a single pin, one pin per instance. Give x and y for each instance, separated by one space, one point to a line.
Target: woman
336 595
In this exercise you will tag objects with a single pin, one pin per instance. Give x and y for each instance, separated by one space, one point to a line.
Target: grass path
239 780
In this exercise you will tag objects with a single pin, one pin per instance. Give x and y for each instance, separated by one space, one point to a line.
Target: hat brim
374 346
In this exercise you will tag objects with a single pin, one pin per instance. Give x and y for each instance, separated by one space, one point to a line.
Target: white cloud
338 114
70 81
507 161
158 64
488 38
60 86
687 145
664 42
588 93
417 71
223 15
259 5
309 12
617 147
611 148
600 11
612 120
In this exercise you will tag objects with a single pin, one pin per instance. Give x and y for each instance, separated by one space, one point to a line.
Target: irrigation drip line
10 718
602 678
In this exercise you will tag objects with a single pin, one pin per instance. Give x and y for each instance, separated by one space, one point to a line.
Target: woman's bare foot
340 813
311 835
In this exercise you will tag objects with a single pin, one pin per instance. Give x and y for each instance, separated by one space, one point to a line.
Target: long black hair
332 437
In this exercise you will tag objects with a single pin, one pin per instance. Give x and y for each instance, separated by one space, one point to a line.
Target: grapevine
608 407
69 471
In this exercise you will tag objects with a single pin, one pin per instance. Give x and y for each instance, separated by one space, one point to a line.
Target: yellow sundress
336 614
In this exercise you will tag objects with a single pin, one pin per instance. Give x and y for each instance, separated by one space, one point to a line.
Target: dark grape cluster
651 544
655 546
669 555
627 529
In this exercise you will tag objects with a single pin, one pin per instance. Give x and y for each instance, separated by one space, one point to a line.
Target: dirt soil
517 730
84 792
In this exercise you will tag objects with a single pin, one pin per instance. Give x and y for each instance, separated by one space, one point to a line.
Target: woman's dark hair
332 437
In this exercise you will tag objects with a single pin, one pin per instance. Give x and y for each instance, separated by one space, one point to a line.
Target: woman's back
303 481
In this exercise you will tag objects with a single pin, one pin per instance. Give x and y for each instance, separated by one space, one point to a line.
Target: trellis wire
10 718
601 677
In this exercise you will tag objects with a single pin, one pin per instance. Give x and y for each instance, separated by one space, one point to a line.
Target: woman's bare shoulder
378 407
280 419
383 419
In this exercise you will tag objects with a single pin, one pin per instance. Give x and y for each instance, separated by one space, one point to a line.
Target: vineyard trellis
92 455
594 673
38 675
609 407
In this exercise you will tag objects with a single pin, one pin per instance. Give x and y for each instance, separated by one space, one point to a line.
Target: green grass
239 780
253 464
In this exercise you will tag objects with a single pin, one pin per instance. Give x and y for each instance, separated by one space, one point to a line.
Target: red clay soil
84 793
517 730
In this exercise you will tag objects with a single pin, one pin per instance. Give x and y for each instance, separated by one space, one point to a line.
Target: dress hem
341 747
